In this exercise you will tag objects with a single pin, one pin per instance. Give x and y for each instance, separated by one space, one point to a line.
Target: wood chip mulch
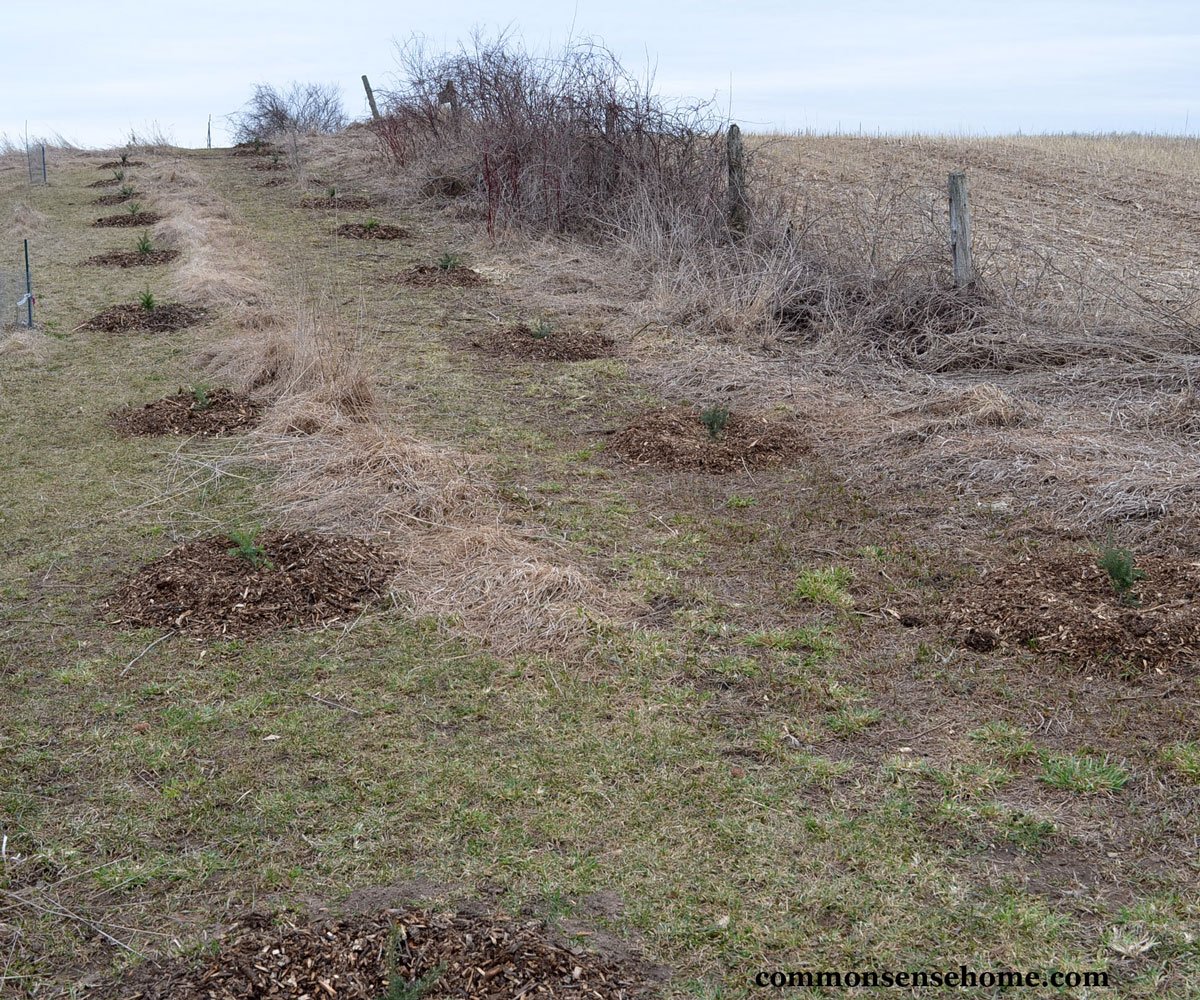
202 588
111 182
436 956
131 317
113 199
131 258
1066 606
126 219
675 438
214 413
558 345
433 276
347 202
361 231
117 164
270 165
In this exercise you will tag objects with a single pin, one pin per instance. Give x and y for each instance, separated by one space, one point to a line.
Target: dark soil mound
270 165
348 202
128 219
111 182
256 149
522 341
433 276
449 956
113 199
202 588
675 438
1067 606
216 412
131 258
118 165
361 231
132 316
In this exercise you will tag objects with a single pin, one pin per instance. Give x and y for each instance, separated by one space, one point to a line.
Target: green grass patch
1087 775
828 587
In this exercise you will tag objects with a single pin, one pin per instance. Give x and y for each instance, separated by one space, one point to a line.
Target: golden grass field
720 723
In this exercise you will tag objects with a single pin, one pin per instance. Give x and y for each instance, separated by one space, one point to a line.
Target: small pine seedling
541 330
144 246
146 300
716 419
126 191
331 191
449 262
371 225
245 546
118 175
1122 573
124 159
202 399
134 208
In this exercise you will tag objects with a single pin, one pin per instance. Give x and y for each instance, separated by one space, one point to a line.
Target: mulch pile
117 164
132 316
1066 606
344 201
270 165
558 345
202 588
111 182
675 438
131 258
272 182
128 219
262 149
459 956
361 231
113 199
433 276
217 412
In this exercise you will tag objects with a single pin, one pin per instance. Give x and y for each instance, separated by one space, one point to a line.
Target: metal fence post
28 287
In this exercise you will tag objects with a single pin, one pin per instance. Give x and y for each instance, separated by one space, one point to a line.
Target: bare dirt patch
523 341
208 414
433 276
205 588
133 316
127 219
676 438
1066 606
348 202
131 258
362 231
464 956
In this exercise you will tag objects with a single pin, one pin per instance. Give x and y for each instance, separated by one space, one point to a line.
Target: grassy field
746 763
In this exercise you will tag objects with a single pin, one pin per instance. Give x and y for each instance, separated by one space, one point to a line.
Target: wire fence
36 157
16 292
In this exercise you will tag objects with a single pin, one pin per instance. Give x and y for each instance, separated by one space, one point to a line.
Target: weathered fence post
370 97
737 206
28 289
960 231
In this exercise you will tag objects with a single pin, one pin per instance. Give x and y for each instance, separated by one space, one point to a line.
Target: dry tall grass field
625 623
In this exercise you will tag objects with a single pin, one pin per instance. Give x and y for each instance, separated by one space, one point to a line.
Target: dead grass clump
26 219
978 406
502 588
1179 414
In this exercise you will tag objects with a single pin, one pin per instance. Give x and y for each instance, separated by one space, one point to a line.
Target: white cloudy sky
93 69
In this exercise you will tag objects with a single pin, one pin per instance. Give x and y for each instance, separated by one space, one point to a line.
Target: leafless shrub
302 107
563 143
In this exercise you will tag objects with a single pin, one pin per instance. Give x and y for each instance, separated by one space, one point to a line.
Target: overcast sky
93 69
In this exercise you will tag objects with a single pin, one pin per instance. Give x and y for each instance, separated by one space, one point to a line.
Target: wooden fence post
737 205
370 97
960 231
